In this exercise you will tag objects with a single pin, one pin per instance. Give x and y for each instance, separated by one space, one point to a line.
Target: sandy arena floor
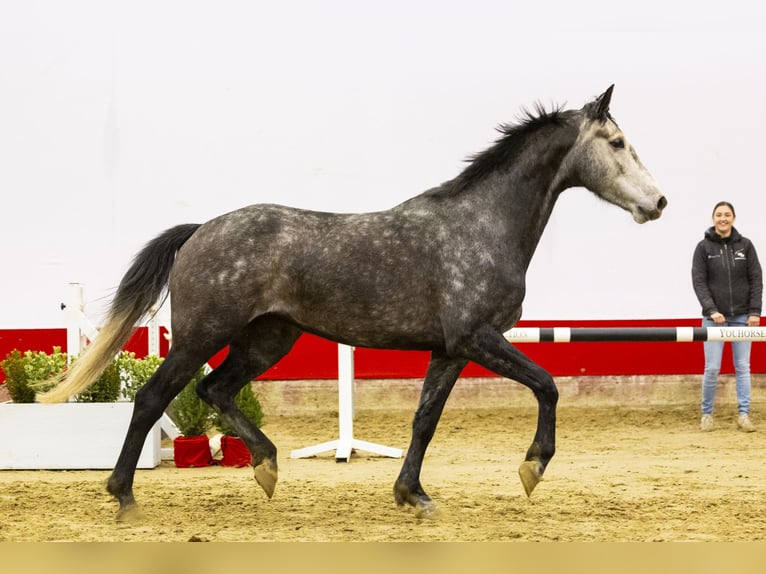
636 471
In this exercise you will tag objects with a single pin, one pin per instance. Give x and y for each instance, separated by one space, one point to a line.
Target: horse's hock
310 396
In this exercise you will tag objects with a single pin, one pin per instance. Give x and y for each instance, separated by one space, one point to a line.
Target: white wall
120 119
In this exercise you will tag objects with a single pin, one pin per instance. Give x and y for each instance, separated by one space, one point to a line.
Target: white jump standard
346 442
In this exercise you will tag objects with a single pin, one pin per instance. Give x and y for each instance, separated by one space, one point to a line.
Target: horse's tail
140 288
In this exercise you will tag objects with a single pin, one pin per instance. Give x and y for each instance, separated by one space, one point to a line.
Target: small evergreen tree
192 415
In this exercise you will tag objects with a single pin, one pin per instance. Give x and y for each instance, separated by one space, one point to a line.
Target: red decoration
235 453
191 451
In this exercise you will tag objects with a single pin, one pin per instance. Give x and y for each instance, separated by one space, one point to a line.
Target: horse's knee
213 394
147 408
202 388
145 396
547 392
554 393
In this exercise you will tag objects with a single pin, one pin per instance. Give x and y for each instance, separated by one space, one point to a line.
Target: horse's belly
381 334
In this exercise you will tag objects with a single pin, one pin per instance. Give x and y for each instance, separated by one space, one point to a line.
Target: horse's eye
619 143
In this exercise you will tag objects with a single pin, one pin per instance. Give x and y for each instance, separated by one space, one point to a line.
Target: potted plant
85 433
233 448
193 417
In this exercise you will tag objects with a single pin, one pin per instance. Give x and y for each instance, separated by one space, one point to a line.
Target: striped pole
633 334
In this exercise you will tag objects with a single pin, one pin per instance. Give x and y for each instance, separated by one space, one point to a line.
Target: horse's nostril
662 203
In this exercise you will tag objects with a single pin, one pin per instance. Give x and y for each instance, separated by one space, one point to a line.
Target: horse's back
333 274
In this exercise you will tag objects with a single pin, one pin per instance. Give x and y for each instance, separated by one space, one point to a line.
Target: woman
727 280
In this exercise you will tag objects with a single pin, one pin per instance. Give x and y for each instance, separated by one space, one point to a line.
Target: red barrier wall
316 358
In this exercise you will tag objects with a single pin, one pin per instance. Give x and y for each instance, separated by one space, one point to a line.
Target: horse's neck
519 204
513 203
521 196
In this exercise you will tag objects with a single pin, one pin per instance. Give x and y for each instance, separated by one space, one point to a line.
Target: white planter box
69 436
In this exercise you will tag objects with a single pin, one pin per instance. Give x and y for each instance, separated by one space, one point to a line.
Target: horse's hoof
130 514
423 505
266 475
530 474
428 510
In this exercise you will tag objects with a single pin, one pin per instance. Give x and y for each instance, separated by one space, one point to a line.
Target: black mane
505 148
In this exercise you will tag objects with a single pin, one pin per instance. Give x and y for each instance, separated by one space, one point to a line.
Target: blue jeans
741 356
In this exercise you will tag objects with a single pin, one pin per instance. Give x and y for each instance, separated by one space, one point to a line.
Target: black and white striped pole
633 334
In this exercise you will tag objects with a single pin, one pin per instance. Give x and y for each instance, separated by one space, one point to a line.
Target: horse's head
603 161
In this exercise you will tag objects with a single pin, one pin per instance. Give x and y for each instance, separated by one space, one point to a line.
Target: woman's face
723 220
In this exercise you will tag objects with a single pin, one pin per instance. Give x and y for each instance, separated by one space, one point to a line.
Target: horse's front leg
440 378
490 349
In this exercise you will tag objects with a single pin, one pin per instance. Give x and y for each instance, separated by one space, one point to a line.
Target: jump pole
633 334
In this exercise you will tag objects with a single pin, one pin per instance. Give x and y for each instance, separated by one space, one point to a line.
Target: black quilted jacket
726 275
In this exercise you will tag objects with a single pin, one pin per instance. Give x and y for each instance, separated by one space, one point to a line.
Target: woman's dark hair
727 204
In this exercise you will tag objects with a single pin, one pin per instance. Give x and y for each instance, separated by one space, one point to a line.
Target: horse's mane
505 148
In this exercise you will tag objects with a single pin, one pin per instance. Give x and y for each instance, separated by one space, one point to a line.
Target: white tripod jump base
346 442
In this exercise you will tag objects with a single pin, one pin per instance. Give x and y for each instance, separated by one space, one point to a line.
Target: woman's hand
753 321
719 319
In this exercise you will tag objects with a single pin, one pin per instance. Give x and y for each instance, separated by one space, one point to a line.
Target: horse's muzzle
643 214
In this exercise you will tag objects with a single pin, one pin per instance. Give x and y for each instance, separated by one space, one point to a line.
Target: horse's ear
599 108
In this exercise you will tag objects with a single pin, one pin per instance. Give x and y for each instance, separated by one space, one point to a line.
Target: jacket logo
739 254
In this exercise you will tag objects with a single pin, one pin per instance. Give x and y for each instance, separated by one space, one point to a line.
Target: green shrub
249 404
134 373
106 389
192 415
16 378
121 379
23 373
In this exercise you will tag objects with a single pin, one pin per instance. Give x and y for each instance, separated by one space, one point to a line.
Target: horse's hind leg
261 344
151 401
440 378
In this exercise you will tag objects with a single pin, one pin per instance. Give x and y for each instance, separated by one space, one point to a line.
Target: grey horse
442 272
